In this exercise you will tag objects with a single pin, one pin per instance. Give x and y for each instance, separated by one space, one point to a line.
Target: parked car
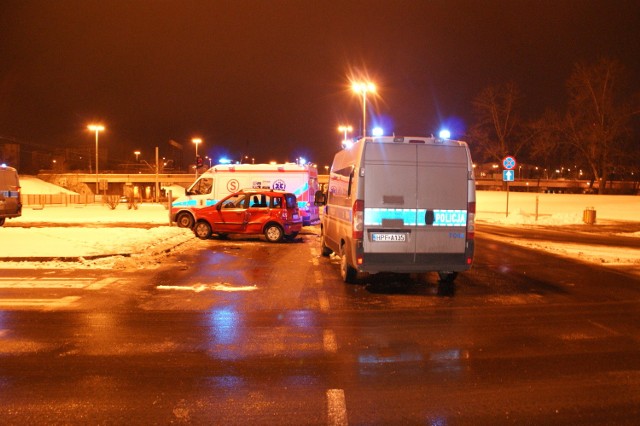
10 202
274 214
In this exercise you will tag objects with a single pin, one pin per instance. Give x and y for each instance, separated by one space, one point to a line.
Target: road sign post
508 175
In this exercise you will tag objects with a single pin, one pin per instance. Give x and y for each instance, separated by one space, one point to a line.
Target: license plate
387 236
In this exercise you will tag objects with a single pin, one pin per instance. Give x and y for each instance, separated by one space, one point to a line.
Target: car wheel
273 233
202 230
184 220
2 219
347 272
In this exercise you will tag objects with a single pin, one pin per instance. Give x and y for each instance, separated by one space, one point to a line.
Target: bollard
589 216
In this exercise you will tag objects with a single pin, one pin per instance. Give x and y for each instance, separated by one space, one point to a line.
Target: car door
230 214
258 213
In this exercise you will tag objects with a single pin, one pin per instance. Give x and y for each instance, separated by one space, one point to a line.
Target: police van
10 202
400 204
224 179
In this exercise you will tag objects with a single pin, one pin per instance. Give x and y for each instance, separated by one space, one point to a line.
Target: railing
57 199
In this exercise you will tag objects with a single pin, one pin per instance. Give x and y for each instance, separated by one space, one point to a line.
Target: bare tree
498 129
598 119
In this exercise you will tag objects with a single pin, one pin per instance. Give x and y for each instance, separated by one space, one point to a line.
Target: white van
224 179
10 202
400 204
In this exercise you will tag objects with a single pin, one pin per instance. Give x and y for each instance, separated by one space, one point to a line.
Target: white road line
39 303
329 341
336 408
49 283
100 284
318 277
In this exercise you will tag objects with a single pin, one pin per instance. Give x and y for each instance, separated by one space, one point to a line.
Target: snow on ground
95 236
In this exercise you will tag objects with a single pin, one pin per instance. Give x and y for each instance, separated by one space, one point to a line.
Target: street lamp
197 141
96 128
363 88
137 154
345 129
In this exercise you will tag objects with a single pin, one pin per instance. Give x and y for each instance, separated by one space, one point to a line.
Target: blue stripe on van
373 216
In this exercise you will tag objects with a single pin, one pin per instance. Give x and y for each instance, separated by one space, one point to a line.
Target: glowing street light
363 88
137 154
197 141
345 129
97 128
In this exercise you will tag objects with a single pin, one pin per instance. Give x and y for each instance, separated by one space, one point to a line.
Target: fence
57 199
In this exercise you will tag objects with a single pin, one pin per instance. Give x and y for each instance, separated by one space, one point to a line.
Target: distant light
224 161
302 161
377 131
3 165
445 134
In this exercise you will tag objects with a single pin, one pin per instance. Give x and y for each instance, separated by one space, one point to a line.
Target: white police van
400 204
10 202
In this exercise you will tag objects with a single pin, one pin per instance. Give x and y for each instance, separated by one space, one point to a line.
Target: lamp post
363 88
97 128
345 129
197 141
137 154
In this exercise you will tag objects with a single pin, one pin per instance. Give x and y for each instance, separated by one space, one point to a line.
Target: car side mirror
320 198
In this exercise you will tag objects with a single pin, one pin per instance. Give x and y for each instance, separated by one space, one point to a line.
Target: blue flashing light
378 131
224 160
445 134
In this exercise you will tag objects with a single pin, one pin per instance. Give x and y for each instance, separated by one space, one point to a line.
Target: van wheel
202 230
273 233
184 220
325 251
347 272
2 219
447 277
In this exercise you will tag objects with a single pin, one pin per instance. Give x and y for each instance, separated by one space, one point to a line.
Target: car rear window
291 201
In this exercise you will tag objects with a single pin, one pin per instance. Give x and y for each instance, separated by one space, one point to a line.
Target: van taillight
358 220
471 220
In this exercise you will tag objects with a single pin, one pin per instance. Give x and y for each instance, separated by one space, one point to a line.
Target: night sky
271 79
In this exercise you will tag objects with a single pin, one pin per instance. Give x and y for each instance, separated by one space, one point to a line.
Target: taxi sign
509 162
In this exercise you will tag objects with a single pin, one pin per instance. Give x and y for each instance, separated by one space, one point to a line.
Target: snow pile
33 185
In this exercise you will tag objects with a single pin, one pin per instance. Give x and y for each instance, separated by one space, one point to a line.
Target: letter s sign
233 185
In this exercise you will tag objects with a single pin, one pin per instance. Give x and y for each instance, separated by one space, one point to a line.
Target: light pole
345 129
197 141
137 154
96 128
363 88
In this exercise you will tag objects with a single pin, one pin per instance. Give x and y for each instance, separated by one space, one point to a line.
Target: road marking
49 283
197 288
336 408
329 341
318 276
324 301
39 303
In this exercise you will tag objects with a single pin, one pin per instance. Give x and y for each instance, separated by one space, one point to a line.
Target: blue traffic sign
509 162
508 175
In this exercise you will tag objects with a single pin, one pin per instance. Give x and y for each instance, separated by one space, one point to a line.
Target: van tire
2 221
324 250
447 277
347 272
184 220
273 233
202 230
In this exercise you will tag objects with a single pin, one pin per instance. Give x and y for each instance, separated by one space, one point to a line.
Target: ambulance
400 204
224 179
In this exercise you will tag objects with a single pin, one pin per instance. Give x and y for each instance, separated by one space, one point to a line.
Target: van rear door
415 205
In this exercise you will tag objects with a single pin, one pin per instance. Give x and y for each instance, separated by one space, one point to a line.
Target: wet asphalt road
246 332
